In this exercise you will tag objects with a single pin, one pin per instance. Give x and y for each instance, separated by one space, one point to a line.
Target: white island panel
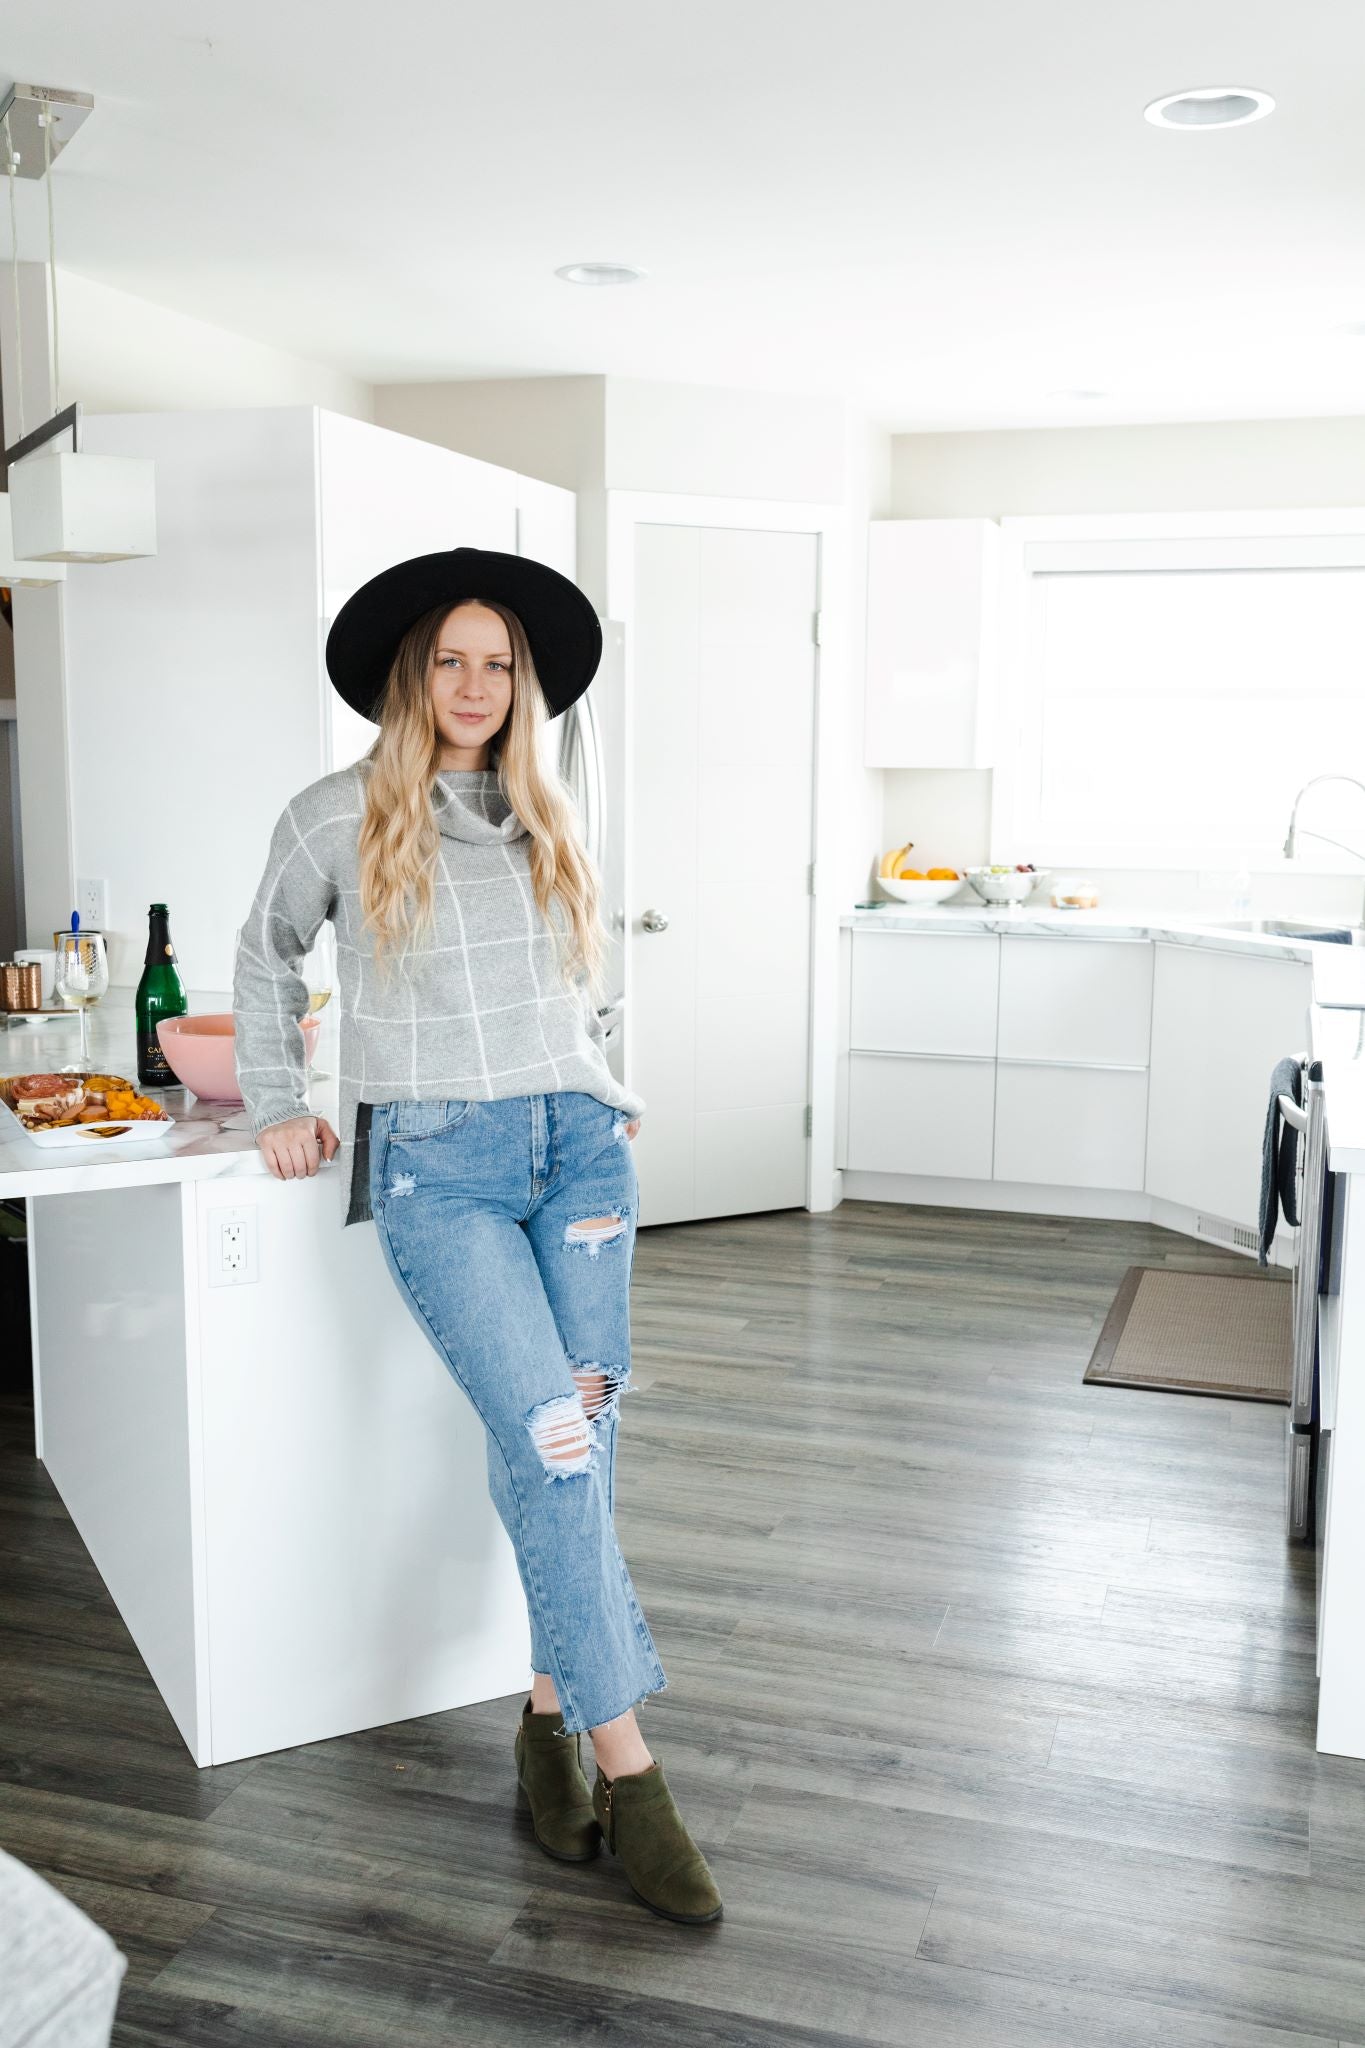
357 1571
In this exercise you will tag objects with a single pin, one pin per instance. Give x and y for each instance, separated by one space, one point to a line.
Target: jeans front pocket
413 1120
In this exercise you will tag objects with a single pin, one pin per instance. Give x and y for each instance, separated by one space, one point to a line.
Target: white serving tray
102 1137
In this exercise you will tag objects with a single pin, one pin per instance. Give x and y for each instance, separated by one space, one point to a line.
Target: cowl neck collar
469 805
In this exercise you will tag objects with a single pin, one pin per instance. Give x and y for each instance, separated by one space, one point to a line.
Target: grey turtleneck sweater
481 1010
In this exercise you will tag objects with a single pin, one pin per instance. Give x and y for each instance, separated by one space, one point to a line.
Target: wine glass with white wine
82 977
319 976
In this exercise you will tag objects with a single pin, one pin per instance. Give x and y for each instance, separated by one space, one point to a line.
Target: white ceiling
941 212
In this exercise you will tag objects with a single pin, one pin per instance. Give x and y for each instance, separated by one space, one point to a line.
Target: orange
943 875
910 875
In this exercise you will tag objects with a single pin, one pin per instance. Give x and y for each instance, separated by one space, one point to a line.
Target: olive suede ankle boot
551 1782
642 1825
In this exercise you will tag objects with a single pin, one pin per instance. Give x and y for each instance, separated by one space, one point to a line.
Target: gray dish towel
1279 1154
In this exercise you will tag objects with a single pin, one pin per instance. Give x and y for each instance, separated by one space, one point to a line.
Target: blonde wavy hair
400 841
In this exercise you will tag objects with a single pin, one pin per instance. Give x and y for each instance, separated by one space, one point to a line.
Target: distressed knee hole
592 1232
598 1389
562 1435
402 1184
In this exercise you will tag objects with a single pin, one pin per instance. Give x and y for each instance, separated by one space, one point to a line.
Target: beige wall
1247 465
124 354
553 428
630 434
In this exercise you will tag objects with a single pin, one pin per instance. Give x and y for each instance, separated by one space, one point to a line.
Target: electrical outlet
232 1247
92 901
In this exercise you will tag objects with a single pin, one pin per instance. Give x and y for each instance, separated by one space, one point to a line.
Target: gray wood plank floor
990 1699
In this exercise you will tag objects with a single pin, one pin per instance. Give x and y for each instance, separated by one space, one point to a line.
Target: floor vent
1235 1234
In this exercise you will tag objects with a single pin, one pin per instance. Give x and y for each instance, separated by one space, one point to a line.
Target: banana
890 861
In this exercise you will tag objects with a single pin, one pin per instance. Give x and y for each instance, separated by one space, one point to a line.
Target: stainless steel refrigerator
1308 1441
593 763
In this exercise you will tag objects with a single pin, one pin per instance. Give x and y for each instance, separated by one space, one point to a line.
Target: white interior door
723 711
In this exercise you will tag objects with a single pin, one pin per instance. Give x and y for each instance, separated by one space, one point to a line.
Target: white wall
1243 465
709 441
124 354
866 495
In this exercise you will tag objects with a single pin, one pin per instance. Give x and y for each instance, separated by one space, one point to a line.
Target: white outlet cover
92 901
215 1222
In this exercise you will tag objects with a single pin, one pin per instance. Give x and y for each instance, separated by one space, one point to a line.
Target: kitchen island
280 1484
1089 1063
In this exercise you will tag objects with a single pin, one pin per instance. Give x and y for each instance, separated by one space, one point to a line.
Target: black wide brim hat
563 629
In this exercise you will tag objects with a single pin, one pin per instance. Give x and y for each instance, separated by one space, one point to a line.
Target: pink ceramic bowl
199 1052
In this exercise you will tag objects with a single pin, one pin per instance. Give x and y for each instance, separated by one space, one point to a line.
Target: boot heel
551 1785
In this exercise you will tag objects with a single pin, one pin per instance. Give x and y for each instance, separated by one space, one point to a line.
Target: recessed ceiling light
1209 106
598 273
1078 392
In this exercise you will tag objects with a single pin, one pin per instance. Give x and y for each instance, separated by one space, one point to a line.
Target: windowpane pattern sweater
481 1010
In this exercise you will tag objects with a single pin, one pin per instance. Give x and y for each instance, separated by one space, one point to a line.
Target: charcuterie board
86 1111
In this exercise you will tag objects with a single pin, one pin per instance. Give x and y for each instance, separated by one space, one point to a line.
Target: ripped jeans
509 1228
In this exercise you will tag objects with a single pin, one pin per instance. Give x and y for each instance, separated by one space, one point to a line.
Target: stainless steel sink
1297 928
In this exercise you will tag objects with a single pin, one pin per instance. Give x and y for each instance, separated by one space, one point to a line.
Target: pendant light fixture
65 506
14 573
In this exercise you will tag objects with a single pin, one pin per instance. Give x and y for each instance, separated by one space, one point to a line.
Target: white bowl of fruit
901 878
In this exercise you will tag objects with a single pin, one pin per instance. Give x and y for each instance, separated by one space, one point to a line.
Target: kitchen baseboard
1021 1198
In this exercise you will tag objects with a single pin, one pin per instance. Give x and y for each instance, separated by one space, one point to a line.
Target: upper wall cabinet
931 633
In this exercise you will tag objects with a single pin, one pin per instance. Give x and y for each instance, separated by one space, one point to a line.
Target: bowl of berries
1010 885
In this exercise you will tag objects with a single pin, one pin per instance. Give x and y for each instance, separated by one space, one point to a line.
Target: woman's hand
295 1147
632 1127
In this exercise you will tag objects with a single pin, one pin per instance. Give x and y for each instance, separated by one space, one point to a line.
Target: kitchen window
1167 685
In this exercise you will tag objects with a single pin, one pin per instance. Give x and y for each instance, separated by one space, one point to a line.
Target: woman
481 1126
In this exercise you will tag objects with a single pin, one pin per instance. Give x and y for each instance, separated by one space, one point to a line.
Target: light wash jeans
487 1213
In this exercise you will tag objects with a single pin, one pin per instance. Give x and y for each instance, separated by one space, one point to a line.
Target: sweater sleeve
269 995
596 1031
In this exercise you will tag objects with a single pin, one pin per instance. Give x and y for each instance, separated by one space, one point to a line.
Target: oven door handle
1292 1114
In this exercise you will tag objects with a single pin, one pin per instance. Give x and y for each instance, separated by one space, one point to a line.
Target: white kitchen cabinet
931 641
267 520
908 1114
547 524
924 993
1076 999
1220 1021
1070 1126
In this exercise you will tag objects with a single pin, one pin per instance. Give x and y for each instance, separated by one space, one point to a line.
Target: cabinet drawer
918 992
931 1116
1076 999
1072 1127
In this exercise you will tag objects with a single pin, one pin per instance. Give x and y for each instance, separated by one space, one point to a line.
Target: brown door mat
1197 1333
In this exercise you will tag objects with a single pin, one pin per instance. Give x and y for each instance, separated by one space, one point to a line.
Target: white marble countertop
1336 1019
209 1139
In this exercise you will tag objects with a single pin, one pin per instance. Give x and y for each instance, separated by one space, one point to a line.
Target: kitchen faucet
1291 837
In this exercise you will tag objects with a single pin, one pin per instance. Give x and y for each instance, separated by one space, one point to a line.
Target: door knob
654 920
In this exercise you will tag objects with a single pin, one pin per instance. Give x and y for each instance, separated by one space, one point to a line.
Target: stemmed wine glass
82 977
319 972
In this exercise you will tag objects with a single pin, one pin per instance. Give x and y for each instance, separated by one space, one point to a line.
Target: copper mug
21 985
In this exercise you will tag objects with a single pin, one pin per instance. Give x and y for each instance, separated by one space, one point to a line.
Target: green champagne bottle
160 993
